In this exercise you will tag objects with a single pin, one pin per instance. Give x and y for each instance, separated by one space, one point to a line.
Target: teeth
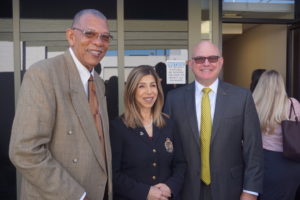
97 53
206 70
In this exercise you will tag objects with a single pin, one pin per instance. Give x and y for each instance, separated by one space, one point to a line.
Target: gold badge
169 145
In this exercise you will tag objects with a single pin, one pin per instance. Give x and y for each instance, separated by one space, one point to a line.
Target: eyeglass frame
99 35
208 58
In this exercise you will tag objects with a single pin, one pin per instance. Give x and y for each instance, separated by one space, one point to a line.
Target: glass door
293 61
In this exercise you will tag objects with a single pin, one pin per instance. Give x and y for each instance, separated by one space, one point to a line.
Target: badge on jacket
169 145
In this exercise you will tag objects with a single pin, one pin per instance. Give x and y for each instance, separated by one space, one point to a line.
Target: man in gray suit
55 143
235 161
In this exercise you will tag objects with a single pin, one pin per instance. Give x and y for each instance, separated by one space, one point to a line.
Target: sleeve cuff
83 196
251 192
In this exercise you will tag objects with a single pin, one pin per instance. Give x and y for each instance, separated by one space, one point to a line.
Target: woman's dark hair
255 77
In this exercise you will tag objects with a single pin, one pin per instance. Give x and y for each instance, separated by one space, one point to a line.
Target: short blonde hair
271 100
132 116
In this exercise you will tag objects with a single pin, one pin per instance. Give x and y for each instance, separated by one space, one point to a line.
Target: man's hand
155 194
165 189
247 196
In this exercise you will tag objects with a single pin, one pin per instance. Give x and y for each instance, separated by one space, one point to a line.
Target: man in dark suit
60 147
234 168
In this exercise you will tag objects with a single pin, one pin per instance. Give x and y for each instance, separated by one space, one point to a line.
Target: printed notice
176 72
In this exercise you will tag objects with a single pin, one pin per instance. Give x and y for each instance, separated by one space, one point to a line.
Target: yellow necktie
205 135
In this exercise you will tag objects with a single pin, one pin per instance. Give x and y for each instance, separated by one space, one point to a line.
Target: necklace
149 125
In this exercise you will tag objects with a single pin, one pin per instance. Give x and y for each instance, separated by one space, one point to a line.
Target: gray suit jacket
54 141
236 149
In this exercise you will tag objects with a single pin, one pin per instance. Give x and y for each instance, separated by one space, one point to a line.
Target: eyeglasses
105 37
201 59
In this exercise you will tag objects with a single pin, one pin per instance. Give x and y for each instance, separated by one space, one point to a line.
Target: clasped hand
159 192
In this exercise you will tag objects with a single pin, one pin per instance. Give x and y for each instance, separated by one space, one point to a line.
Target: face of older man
206 63
87 41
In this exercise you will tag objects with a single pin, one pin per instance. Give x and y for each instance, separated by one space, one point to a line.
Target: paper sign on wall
176 72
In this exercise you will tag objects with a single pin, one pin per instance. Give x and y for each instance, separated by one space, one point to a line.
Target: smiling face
146 92
206 73
89 51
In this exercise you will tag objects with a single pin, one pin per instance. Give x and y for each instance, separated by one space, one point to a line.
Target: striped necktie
94 107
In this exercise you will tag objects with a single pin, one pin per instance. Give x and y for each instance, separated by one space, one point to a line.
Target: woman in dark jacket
147 157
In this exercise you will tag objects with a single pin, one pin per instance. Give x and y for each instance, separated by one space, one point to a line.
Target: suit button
154 164
70 132
153 177
75 160
154 150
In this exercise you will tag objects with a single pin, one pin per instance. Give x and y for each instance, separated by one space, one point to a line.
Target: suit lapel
156 134
82 109
190 106
219 109
141 133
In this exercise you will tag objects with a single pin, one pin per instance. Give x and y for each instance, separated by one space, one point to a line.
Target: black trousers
281 177
205 192
298 194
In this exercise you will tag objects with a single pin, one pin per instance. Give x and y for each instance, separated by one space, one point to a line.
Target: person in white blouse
281 175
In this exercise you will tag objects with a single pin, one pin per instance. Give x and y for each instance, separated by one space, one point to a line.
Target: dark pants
281 177
205 192
298 194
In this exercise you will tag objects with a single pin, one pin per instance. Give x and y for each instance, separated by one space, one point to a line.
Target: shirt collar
83 71
213 86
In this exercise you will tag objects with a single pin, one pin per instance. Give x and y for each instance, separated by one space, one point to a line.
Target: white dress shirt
84 73
212 100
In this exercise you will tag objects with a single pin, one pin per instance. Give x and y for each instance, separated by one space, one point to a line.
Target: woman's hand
166 191
156 194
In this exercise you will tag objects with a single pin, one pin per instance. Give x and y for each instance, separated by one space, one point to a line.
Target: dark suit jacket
54 141
140 162
236 147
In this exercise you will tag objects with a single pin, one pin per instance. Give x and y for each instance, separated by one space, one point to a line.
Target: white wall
6 57
34 54
263 46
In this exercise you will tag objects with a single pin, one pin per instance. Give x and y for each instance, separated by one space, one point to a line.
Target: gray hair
83 12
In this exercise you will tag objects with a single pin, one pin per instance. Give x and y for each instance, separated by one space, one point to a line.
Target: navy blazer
139 161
